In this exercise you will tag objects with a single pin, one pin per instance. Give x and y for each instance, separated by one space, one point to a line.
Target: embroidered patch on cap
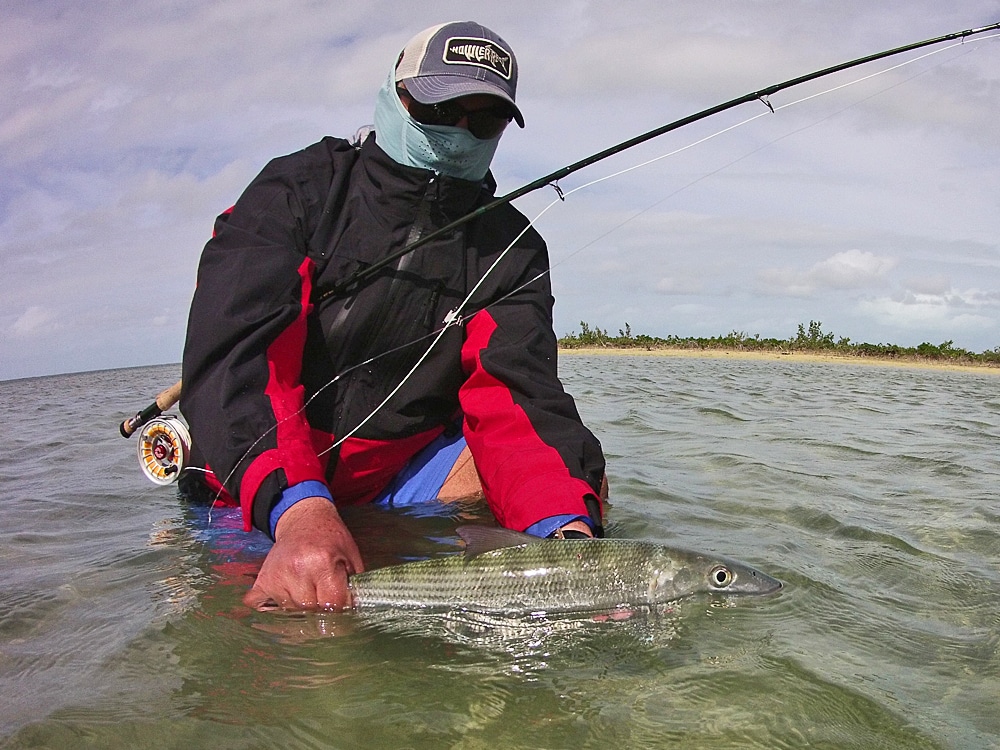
481 52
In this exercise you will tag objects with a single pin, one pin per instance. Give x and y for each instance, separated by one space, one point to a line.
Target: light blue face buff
448 150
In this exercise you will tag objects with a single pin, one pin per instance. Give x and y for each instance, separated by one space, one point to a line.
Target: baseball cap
457 59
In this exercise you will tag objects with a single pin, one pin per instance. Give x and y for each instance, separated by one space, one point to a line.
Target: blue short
422 478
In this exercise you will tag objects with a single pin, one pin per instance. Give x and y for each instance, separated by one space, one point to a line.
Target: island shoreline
784 356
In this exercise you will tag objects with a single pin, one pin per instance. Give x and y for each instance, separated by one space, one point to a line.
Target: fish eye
721 576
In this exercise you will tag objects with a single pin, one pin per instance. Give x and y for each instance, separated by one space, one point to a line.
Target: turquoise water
871 492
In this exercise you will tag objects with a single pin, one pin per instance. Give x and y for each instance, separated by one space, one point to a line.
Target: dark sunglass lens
448 113
426 114
488 123
483 123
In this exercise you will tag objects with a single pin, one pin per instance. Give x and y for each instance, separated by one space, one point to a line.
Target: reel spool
164 449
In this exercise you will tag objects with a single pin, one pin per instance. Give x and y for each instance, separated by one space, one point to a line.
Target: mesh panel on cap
413 53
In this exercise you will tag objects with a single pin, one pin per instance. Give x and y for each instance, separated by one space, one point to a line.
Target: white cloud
851 269
54 76
125 128
36 319
938 284
950 313
679 285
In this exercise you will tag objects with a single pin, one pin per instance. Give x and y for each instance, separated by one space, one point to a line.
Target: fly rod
761 95
163 401
171 395
164 444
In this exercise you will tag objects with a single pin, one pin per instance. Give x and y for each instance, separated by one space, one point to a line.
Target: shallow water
871 492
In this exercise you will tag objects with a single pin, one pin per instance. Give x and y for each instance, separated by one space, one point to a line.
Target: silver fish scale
551 576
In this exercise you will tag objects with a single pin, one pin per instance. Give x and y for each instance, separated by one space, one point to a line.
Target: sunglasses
482 123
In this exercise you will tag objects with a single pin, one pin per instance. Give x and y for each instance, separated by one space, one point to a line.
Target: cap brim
436 89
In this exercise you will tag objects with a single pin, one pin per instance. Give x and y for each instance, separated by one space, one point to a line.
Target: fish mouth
761 584
752 582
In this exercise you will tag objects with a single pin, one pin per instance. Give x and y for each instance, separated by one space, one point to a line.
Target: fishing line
315 395
455 316
562 194
772 110
552 179
723 167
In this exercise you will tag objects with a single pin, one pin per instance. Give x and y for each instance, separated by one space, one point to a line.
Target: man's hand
308 566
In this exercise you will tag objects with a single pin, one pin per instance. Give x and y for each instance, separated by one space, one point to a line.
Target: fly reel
164 449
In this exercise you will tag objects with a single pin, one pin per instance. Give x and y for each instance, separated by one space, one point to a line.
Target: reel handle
164 401
164 449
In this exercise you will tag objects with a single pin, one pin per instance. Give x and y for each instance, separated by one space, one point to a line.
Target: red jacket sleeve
243 352
534 455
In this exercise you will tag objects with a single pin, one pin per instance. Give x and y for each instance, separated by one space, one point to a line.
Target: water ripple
870 492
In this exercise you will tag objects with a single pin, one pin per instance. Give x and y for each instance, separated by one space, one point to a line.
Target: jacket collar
401 188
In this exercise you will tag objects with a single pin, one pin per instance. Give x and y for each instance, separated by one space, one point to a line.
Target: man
300 400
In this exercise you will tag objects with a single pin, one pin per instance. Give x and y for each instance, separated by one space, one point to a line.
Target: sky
873 208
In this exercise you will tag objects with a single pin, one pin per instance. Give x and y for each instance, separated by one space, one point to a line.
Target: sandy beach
793 356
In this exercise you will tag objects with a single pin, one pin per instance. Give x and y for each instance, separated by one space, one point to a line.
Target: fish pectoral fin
480 539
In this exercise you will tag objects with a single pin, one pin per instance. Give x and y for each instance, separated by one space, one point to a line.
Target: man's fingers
273 599
309 564
260 600
333 591
264 603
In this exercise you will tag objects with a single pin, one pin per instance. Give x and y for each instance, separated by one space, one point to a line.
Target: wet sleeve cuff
300 491
548 525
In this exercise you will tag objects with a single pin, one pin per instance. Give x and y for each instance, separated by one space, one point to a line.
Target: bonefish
506 572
